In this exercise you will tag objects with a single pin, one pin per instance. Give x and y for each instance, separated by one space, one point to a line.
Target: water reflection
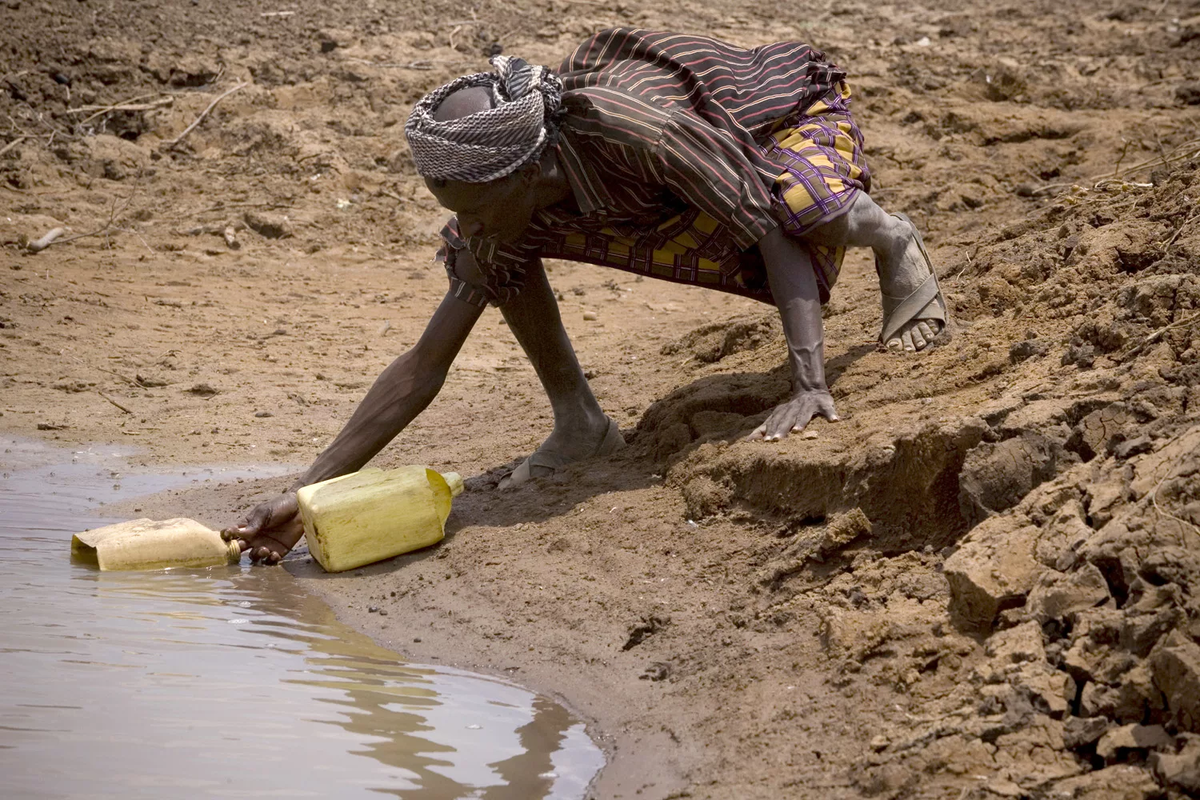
231 682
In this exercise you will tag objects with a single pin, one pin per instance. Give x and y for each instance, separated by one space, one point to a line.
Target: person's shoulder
601 47
615 114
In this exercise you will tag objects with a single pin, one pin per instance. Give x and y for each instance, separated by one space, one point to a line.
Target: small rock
202 390
657 671
1119 782
844 529
992 570
1061 597
1175 665
1116 743
590 315
1180 771
1133 447
373 610
263 414
996 476
1027 349
1018 645
1081 731
270 226
1100 431
1005 788
1188 94
643 629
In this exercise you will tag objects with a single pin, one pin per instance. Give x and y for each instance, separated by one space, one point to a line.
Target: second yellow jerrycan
153 544
374 514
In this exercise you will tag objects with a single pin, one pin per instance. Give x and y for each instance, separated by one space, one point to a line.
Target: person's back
730 87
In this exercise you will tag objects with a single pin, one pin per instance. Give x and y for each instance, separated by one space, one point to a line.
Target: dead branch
1158 334
420 64
1188 149
114 402
1167 244
174 142
109 226
12 144
125 105
38 245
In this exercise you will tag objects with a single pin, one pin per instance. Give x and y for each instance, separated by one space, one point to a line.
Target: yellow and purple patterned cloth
824 166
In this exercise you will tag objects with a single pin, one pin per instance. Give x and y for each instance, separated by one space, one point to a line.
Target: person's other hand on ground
270 530
796 413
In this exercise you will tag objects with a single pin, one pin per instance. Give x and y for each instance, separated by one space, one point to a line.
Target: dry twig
1167 244
114 402
174 142
420 64
1158 334
12 144
124 105
1188 149
53 236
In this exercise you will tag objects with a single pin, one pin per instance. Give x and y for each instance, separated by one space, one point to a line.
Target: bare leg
579 423
902 267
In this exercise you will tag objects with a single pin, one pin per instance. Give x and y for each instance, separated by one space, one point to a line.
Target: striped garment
682 152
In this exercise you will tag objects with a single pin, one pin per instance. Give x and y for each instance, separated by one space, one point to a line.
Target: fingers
252 524
265 555
794 416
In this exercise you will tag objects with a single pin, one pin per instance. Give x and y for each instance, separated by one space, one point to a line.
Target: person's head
478 142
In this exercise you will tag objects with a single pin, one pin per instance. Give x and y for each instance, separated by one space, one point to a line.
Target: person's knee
467 270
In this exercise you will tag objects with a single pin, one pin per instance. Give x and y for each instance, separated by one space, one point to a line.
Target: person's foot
567 444
903 269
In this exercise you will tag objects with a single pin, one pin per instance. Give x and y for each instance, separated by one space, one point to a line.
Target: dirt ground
983 582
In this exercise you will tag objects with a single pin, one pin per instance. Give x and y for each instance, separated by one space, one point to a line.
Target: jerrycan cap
454 481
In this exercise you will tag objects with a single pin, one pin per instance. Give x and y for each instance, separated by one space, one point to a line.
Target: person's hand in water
269 531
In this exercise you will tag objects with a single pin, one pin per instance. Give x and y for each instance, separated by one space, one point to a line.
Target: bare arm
399 394
794 285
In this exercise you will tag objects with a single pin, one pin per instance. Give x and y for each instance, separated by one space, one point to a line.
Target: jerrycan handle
454 481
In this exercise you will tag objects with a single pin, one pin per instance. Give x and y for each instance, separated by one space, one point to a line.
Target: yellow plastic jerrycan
374 514
150 544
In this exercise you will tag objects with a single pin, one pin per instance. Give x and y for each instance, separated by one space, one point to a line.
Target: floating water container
151 544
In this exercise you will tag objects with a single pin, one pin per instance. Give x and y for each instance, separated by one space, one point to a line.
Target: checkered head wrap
488 145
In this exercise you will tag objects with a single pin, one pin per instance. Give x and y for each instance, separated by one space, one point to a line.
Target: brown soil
984 582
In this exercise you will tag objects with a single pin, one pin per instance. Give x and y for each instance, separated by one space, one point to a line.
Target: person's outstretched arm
399 394
794 285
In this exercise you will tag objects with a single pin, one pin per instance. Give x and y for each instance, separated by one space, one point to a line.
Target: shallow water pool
230 682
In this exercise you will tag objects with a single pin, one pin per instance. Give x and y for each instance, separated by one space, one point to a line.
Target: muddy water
229 682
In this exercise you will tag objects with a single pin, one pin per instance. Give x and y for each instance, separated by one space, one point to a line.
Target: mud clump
714 342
